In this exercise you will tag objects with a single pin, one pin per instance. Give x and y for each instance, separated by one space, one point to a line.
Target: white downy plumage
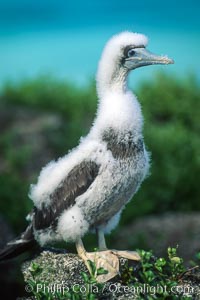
117 108
114 144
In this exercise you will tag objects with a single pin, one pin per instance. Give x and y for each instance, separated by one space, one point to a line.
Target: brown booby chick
87 189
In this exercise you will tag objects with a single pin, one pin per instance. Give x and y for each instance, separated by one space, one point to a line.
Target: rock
52 272
64 271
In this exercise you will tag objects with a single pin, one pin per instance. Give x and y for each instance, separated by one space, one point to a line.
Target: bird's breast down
94 190
117 182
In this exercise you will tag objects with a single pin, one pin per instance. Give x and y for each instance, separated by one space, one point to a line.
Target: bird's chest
130 170
130 159
125 147
118 180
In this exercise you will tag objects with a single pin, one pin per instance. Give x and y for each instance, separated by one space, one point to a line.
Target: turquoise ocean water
65 38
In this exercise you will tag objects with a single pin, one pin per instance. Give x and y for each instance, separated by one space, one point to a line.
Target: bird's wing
75 183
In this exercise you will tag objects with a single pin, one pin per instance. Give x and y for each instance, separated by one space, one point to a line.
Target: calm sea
65 38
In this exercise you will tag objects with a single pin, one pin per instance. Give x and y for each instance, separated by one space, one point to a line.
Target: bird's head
135 55
125 52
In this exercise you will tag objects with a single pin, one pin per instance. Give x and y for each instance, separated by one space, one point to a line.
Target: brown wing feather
76 183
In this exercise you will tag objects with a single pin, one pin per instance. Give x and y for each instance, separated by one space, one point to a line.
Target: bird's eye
131 53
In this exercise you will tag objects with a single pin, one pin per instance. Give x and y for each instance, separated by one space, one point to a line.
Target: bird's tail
16 247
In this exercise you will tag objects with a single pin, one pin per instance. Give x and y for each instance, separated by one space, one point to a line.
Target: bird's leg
101 240
83 254
133 255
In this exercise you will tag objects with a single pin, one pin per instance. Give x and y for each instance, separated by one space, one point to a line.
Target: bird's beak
143 57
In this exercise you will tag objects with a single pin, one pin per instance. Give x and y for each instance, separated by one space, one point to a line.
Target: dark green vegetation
153 278
171 110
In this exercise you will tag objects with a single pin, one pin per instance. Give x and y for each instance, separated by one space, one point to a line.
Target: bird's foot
103 259
106 259
109 261
132 255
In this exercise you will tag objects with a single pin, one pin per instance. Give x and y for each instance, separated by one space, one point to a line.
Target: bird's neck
119 111
118 108
111 80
